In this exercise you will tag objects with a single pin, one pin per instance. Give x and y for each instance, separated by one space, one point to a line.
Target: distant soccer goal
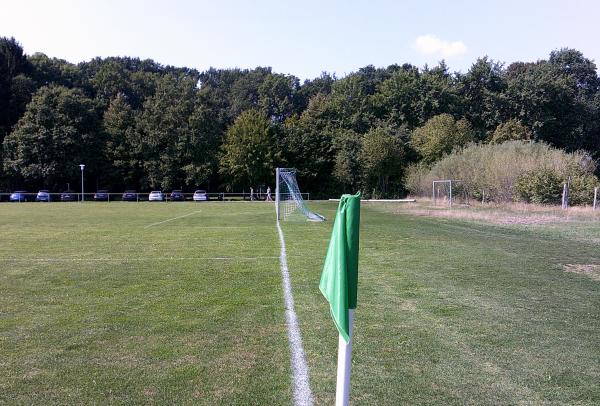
448 191
289 203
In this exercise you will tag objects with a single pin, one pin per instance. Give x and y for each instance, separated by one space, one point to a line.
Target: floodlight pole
277 193
82 166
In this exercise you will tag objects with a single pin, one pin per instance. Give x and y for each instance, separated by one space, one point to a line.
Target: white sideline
137 259
174 218
302 393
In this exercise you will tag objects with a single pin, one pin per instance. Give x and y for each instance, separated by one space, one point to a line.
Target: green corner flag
340 273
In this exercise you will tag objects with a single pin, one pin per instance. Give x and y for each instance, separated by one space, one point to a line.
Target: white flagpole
342 390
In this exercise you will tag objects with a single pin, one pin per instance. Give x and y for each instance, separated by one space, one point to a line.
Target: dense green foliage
542 185
137 123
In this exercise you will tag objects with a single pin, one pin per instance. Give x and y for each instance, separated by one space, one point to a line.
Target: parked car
200 196
177 196
18 196
68 196
43 196
156 196
130 196
101 196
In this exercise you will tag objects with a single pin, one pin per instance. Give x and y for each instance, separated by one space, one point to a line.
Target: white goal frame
442 181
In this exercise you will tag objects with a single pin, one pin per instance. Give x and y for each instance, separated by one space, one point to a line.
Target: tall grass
494 169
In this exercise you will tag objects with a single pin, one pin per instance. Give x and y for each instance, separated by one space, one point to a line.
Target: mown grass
97 307
453 311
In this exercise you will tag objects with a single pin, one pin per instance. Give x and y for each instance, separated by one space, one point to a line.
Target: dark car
68 196
43 196
130 196
18 196
177 196
101 196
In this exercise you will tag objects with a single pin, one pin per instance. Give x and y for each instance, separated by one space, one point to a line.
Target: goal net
289 203
448 192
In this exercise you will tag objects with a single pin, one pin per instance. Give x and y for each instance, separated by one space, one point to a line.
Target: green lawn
97 306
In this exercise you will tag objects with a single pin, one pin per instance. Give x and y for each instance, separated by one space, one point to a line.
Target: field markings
171 219
302 393
138 259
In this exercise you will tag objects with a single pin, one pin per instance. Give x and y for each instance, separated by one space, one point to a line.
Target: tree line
142 125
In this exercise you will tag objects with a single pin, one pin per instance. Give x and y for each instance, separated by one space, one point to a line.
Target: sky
303 38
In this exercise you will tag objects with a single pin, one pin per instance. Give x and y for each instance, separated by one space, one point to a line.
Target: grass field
112 303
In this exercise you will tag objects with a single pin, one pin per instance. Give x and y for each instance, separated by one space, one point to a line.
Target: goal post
445 189
289 203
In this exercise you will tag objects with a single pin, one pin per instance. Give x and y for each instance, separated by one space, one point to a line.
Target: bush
539 186
581 189
494 169
510 131
440 135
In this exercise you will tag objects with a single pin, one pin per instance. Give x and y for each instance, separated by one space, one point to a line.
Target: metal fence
138 197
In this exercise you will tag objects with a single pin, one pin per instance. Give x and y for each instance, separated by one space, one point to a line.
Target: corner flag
340 272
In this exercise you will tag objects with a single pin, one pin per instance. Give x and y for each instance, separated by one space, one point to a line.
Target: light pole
82 166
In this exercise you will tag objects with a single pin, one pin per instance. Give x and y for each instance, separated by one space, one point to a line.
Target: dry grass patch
500 213
590 270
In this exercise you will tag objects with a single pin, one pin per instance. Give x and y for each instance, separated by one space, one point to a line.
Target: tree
58 131
511 130
177 139
410 97
544 99
481 90
122 148
312 87
347 168
248 155
573 63
52 71
278 96
381 158
440 135
13 69
308 144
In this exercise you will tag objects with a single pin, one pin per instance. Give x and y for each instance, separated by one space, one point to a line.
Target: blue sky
303 38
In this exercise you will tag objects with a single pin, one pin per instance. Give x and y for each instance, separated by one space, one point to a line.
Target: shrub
510 131
539 186
581 189
495 169
440 135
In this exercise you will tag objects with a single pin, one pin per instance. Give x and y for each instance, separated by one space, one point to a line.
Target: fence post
564 196
595 197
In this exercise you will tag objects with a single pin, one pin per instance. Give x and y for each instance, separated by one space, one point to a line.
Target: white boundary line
137 259
174 218
302 393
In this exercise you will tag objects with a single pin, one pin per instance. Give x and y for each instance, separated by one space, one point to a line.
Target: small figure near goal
269 198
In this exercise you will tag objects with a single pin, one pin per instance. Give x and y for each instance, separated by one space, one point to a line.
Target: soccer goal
448 191
289 203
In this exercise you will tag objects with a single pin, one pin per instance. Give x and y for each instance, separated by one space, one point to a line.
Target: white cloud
432 45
